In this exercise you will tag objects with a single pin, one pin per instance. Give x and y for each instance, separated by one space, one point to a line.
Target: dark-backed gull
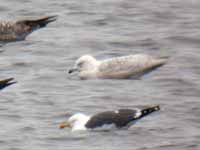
19 30
6 82
122 118
119 67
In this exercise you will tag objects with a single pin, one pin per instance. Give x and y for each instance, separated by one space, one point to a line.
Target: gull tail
161 60
39 23
6 82
42 22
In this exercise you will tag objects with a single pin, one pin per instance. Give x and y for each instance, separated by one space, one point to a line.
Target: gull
122 118
117 68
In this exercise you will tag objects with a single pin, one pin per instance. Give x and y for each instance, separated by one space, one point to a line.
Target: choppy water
31 110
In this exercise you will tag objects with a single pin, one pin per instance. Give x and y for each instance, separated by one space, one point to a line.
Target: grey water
46 95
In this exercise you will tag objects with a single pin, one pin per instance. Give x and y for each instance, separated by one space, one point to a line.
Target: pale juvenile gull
19 30
6 82
118 67
122 118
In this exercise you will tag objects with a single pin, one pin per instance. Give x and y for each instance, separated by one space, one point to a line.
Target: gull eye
80 64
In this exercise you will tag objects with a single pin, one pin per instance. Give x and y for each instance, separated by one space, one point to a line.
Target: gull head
75 122
84 63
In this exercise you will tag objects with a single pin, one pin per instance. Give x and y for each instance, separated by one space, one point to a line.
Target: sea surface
45 95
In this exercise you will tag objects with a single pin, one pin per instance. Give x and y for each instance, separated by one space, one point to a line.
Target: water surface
45 94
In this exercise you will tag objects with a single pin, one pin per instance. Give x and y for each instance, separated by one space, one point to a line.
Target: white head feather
86 63
78 121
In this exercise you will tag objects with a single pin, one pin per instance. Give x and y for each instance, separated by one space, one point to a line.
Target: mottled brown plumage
19 30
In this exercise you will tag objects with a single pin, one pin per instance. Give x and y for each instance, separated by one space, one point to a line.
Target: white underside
102 128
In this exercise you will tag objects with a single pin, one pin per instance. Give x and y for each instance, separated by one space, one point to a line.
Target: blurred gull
6 82
118 68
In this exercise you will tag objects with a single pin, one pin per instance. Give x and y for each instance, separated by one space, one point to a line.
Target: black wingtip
41 22
149 109
6 82
49 19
